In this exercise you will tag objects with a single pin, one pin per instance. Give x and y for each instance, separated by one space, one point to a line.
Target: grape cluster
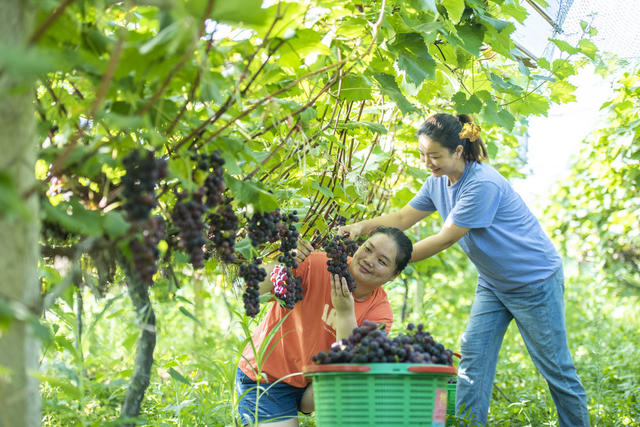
287 287
288 239
223 226
337 263
252 275
214 185
143 171
263 227
351 246
187 217
290 291
145 251
369 343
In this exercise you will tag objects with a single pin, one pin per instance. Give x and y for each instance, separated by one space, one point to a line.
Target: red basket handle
335 368
444 369
458 355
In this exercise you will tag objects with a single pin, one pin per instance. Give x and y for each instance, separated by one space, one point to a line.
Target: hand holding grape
352 230
303 250
341 297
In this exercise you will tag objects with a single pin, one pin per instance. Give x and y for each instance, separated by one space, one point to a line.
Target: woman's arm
402 219
448 235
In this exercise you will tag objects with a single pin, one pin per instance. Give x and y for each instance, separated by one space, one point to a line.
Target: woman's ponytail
451 131
474 148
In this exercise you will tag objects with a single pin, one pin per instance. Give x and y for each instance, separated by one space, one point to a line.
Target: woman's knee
306 403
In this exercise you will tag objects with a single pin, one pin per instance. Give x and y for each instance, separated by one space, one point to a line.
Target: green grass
200 340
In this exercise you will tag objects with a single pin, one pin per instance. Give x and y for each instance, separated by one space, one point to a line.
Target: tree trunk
19 287
139 294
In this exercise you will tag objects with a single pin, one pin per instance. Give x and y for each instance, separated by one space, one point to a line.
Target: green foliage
313 107
595 209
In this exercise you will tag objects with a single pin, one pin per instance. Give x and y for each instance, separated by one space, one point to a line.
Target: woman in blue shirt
519 271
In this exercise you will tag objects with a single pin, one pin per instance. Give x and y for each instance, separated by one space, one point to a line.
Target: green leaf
354 88
498 24
562 91
562 68
455 8
244 247
189 314
466 106
510 8
429 5
414 57
253 193
239 11
471 36
322 189
67 387
564 46
533 103
298 48
74 217
506 119
588 48
115 225
178 377
372 126
389 87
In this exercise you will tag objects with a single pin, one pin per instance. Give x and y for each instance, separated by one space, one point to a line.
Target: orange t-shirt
309 328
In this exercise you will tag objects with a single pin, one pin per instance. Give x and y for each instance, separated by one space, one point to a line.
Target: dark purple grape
369 343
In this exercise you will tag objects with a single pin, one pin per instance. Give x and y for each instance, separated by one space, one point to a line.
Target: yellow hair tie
471 131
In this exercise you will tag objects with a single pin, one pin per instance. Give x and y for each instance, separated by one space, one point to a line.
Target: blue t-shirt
506 242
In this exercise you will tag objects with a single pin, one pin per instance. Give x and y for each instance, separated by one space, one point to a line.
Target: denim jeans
539 314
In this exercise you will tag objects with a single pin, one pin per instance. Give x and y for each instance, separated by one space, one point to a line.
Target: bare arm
402 219
448 235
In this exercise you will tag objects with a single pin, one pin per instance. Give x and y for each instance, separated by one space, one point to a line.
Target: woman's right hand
352 230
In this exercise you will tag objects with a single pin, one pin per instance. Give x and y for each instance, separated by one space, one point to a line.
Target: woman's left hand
341 297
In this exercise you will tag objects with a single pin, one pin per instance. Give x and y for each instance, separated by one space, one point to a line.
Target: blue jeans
277 401
539 314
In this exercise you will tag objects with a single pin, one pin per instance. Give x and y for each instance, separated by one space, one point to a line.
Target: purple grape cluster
369 343
145 251
223 226
337 263
288 233
351 246
214 185
253 275
288 239
187 217
143 171
264 227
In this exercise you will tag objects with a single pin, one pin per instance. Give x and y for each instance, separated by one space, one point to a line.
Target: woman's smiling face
439 160
374 263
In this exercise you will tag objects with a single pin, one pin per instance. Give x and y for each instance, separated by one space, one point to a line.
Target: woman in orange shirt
327 313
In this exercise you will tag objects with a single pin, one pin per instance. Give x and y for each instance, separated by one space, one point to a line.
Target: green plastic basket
451 398
380 394
451 403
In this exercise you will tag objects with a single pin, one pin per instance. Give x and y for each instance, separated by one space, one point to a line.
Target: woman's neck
361 294
457 174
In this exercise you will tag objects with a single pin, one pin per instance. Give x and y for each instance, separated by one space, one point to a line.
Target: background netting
617 23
